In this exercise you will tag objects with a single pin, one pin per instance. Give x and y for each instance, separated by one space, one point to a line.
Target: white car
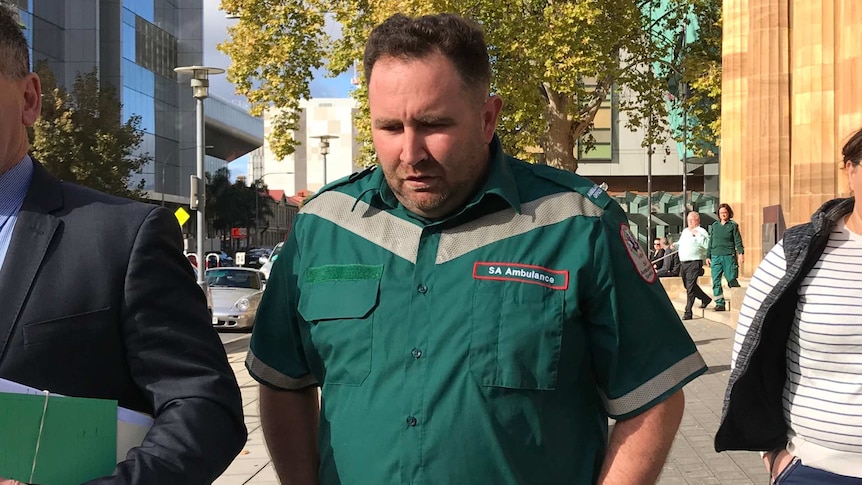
236 294
266 262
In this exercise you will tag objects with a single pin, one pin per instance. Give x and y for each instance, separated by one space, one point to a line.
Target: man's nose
413 147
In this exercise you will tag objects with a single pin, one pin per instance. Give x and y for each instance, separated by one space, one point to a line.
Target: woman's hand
781 460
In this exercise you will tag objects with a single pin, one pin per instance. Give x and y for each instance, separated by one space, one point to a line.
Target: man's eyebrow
381 122
434 119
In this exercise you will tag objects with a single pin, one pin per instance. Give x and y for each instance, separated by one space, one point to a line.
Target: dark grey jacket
753 417
98 301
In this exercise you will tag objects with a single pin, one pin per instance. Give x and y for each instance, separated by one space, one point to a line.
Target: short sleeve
641 351
275 357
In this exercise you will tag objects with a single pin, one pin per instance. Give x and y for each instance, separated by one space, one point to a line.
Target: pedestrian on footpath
657 257
795 388
725 253
671 266
692 245
468 317
99 302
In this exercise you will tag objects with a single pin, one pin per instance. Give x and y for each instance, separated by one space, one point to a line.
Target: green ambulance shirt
488 347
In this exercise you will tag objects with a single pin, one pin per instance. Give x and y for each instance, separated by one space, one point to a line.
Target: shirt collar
500 182
14 184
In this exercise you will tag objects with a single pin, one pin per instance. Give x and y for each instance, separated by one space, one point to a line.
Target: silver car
236 294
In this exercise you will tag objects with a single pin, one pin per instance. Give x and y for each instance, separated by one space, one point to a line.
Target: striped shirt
14 184
823 387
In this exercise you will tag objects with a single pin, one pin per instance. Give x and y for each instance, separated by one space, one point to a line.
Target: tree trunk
557 141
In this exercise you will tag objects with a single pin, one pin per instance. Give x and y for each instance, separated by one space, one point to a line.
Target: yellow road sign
182 216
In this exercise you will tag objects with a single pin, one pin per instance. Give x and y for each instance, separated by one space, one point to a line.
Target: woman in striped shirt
795 390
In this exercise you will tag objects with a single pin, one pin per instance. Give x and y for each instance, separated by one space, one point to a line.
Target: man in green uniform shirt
468 317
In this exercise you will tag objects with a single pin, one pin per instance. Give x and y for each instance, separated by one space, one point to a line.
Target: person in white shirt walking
692 245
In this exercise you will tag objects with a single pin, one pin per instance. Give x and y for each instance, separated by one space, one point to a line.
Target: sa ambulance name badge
637 255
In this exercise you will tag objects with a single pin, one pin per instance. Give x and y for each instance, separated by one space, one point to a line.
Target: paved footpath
691 461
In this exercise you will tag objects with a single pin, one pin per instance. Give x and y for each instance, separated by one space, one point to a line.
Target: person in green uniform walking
725 253
468 318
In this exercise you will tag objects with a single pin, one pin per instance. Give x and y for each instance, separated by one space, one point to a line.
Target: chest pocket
516 335
339 301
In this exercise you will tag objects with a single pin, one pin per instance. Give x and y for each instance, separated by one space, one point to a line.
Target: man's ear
32 91
490 115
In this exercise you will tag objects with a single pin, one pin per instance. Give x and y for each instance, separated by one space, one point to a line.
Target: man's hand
6 481
782 461
709 261
740 258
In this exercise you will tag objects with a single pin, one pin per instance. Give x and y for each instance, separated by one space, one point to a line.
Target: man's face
693 220
723 215
430 132
20 104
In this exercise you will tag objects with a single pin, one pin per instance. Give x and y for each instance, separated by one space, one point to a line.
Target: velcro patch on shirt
637 255
524 273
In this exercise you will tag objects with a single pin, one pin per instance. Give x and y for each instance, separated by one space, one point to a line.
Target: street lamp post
200 90
165 164
324 150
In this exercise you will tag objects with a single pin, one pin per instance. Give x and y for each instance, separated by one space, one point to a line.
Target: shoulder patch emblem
637 255
595 191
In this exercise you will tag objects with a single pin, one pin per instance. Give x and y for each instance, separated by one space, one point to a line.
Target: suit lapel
31 237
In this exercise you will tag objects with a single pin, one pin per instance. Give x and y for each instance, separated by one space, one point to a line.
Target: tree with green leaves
80 136
701 63
554 62
231 205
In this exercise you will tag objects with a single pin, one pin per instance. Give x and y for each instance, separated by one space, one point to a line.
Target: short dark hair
729 210
14 53
458 39
852 151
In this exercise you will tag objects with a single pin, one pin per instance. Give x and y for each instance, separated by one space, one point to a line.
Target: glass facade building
135 45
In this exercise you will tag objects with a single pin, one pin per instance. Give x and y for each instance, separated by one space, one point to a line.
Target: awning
670 219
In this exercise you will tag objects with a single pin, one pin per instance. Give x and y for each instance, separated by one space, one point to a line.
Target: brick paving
692 460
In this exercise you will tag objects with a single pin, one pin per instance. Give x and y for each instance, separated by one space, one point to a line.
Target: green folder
78 438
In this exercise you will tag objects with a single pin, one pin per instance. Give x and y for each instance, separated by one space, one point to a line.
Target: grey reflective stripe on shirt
271 376
374 225
507 223
655 387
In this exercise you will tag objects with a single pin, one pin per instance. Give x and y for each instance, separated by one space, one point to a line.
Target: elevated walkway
733 297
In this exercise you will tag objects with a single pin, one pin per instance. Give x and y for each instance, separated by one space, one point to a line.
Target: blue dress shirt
14 184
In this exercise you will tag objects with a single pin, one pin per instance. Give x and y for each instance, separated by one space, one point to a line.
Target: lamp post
165 164
200 90
324 150
649 189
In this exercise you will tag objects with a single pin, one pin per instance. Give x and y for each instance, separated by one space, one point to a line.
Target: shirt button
422 289
411 421
416 353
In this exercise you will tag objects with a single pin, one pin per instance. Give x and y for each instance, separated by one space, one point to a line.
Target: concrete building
790 100
135 45
305 169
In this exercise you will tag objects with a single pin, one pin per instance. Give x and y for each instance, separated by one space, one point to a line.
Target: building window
601 133
155 49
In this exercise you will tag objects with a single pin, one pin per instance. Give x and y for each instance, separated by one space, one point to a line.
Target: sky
215 32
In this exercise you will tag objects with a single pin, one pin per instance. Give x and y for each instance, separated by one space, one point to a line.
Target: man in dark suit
99 301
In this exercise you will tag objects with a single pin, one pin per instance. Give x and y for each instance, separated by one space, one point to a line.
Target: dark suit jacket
99 301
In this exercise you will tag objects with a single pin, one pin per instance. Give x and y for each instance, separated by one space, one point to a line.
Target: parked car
266 263
253 257
236 294
207 291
